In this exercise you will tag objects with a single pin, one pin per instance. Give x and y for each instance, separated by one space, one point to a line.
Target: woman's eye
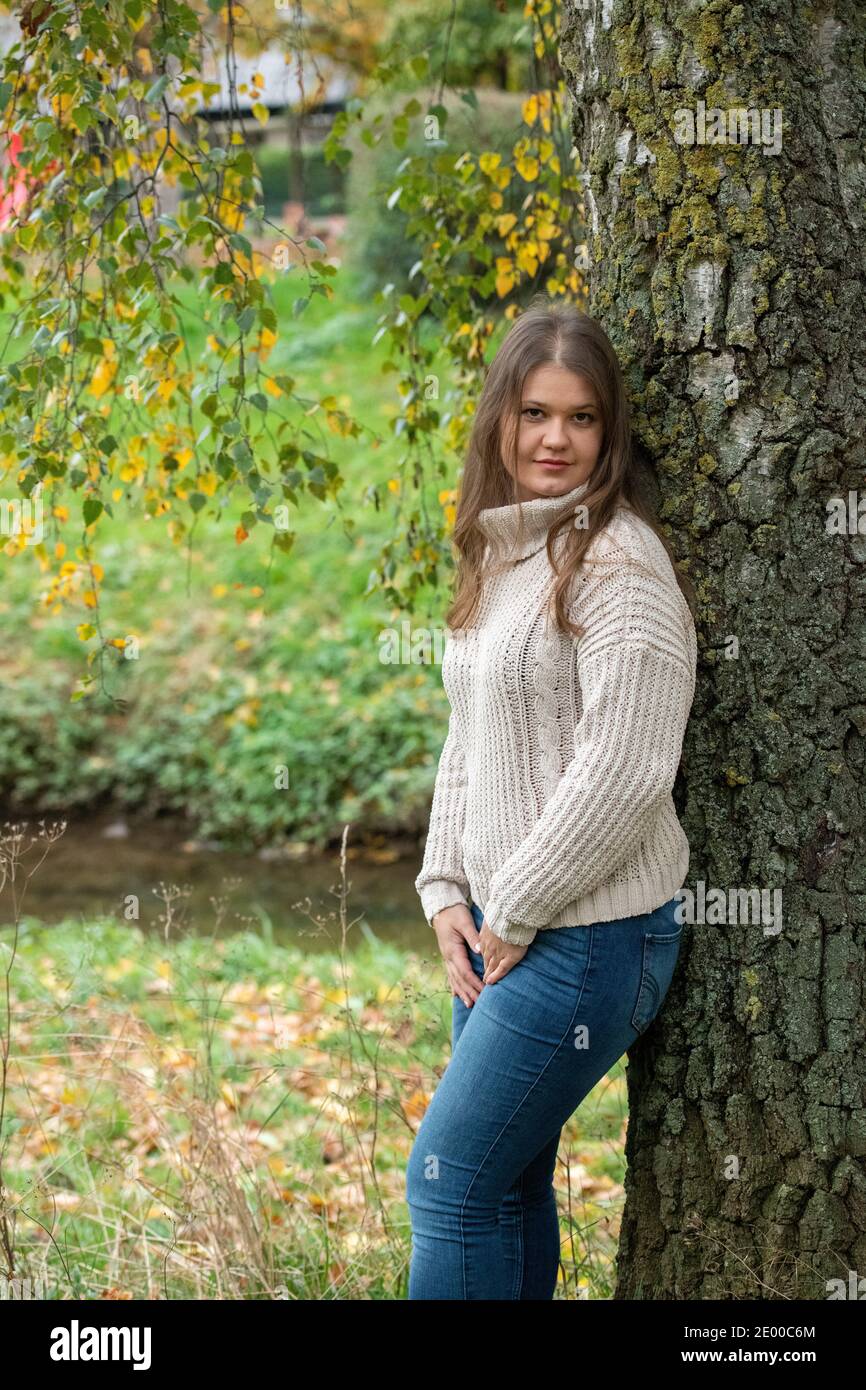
578 415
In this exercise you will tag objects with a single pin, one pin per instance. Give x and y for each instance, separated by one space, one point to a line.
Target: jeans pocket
660 952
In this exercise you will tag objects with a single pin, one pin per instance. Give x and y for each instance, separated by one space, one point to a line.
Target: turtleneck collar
501 525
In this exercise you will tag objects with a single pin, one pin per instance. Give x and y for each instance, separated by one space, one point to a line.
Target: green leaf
83 118
91 509
154 93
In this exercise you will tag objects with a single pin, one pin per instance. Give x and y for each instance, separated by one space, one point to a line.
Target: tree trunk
730 277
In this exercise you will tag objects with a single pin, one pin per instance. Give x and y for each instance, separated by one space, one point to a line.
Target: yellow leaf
529 110
120 968
86 631
527 258
102 377
228 1095
489 161
527 167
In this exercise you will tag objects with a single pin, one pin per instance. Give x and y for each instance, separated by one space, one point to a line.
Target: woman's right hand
457 933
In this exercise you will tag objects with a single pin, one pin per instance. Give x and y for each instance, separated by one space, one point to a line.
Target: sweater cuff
511 932
440 894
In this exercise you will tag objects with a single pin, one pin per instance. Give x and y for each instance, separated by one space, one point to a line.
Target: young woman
554 851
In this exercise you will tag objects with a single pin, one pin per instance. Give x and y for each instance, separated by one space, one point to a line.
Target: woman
554 851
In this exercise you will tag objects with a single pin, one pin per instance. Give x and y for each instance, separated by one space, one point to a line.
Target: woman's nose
554 435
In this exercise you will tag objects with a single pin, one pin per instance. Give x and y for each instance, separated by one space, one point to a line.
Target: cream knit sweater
552 805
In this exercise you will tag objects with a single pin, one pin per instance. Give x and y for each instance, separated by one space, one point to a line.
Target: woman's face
560 433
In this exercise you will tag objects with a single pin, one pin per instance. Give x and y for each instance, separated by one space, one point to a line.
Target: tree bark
730 277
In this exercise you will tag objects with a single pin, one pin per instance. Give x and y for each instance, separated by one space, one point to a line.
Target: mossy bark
731 280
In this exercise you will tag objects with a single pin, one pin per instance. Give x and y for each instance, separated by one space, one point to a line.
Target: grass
200 1118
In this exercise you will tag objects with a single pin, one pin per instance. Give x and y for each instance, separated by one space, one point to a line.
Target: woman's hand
499 956
457 934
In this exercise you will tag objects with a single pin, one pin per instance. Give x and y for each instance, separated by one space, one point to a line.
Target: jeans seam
521 1242
494 1142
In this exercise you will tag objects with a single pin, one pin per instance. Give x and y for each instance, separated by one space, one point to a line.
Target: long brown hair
556 334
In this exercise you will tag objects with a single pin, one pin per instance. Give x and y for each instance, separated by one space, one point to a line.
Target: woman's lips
552 463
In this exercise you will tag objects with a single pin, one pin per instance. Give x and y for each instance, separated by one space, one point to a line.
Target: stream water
113 865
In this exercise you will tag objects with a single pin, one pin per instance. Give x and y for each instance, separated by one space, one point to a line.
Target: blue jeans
479 1180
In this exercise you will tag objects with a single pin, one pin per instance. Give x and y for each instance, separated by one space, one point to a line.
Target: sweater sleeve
442 882
636 667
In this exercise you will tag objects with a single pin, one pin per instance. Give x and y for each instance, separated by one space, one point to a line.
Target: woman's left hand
499 956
